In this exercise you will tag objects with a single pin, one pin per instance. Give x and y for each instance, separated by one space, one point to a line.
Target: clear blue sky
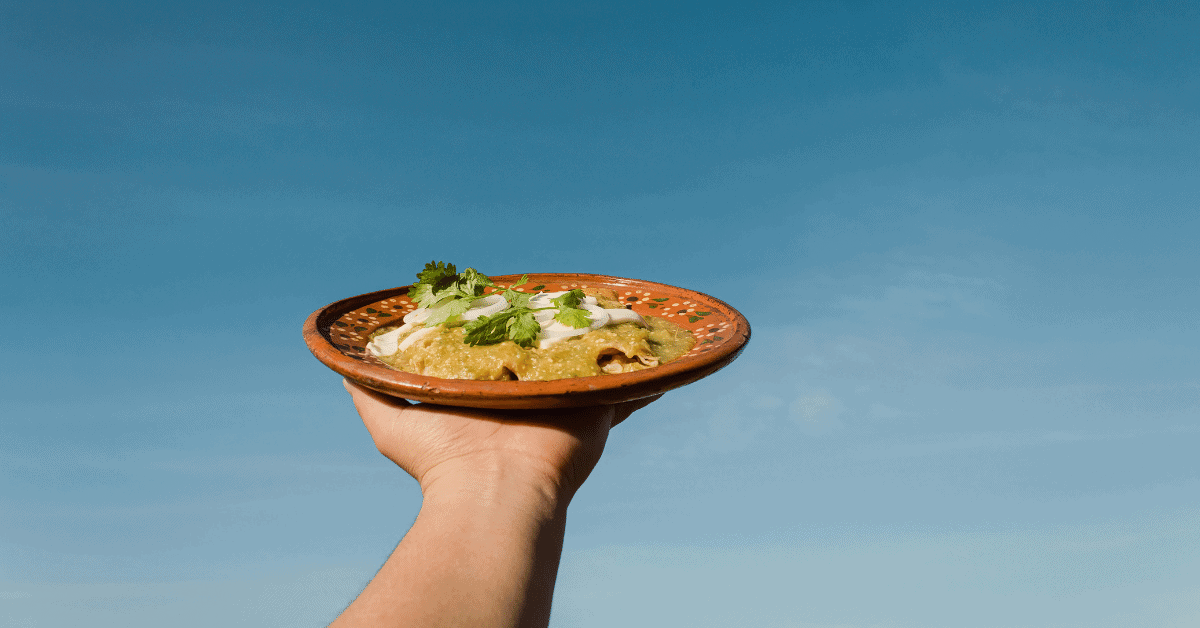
964 233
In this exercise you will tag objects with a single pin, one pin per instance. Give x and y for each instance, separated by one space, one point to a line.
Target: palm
426 440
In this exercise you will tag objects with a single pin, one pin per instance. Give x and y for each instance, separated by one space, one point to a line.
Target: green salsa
620 348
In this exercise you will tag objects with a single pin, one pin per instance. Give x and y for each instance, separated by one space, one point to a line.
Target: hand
432 443
495 485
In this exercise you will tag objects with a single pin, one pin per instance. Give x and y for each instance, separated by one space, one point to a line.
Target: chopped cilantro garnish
448 294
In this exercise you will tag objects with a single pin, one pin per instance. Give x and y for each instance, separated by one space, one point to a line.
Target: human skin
495 484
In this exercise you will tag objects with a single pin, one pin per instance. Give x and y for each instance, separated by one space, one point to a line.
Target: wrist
496 482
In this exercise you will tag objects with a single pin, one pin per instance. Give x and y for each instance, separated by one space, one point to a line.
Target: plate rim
559 393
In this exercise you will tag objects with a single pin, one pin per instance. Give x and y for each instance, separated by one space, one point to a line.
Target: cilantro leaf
471 283
433 283
569 299
516 324
422 294
573 317
487 330
436 272
524 328
569 312
517 299
447 312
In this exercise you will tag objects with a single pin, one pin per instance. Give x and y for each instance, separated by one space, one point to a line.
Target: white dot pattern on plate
708 325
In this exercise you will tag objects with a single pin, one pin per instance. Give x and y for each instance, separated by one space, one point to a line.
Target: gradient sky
964 234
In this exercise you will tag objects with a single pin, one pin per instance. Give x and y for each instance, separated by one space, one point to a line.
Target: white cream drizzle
552 331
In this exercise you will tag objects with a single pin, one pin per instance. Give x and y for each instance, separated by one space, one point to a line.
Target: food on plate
459 331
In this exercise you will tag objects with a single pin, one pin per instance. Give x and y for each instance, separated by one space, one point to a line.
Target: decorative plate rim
560 393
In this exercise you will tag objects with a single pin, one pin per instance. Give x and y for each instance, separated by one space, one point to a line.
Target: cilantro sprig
446 292
432 283
440 282
516 324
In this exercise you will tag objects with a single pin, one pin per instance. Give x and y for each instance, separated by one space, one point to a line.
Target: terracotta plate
338 334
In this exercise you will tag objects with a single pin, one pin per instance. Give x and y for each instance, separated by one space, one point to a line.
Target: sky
963 233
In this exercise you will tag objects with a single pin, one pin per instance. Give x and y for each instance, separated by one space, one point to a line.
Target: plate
337 335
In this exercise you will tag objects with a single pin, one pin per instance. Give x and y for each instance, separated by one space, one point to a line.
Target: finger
373 406
357 392
623 410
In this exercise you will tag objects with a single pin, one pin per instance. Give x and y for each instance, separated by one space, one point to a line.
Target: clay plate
337 335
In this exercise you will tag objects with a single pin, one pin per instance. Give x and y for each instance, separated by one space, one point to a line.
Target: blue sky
964 235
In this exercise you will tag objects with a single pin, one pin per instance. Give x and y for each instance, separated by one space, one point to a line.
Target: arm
485 547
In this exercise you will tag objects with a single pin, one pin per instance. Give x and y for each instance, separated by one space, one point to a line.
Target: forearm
483 551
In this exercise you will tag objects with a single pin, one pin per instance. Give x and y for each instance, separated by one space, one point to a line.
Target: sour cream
552 331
